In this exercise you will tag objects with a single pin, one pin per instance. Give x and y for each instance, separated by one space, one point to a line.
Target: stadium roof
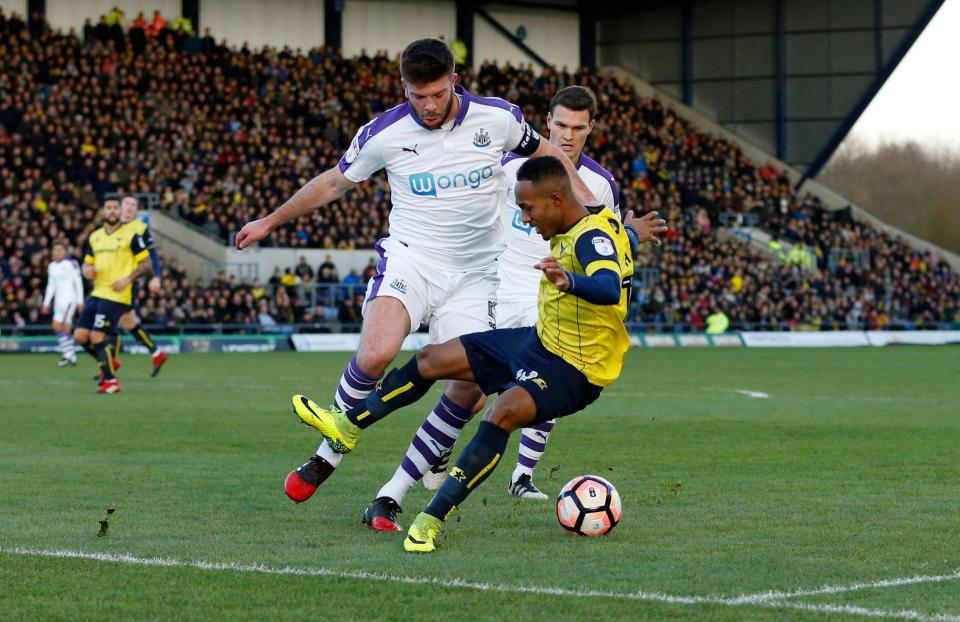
791 76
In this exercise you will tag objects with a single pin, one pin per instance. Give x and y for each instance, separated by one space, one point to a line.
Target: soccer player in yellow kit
114 257
130 322
542 372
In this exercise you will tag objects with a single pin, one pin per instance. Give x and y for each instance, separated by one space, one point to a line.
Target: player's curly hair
426 60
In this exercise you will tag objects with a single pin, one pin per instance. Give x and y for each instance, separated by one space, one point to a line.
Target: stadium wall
14 6
277 23
374 25
552 34
67 14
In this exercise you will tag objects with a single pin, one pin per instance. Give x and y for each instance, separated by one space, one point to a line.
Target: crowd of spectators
223 135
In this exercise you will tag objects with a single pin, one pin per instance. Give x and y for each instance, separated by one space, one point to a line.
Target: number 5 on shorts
99 320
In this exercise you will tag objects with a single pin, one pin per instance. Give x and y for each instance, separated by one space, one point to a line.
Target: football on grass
588 506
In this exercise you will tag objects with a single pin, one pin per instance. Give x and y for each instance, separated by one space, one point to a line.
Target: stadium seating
225 135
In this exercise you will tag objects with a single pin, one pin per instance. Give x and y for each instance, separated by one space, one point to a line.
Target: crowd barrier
347 342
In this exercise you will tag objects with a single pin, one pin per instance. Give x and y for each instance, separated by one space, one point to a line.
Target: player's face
128 209
59 252
539 208
432 101
569 130
111 212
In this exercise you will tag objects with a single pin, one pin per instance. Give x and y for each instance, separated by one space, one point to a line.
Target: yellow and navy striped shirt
591 337
114 255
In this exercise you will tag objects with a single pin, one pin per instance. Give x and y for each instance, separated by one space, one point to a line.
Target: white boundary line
851 587
771 599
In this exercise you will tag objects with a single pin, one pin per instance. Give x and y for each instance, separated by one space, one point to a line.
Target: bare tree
908 185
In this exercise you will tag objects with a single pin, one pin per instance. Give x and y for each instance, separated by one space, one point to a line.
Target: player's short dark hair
59 243
543 168
426 60
575 98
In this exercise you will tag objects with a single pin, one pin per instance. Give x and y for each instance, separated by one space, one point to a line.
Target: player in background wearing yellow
115 255
542 372
130 321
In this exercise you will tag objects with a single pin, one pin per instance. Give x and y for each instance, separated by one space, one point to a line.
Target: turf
847 472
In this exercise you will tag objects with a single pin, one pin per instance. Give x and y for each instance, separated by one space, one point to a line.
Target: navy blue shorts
507 357
102 315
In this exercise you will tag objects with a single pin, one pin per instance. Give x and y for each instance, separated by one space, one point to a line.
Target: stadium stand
223 135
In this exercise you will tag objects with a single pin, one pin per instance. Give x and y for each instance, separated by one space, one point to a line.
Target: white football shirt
64 282
447 185
519 281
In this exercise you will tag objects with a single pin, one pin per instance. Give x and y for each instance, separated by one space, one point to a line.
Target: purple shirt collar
461 115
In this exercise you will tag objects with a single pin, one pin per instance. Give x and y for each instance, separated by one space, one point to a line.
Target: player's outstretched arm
322 189
580 189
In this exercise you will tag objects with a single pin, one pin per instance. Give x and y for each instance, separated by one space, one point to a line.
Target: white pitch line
850 587
903 614
760 395
122 558
774 600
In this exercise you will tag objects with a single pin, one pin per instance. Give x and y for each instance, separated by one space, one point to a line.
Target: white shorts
517 314
63 313
453 303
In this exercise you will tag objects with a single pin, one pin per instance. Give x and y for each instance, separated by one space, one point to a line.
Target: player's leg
62 318
514 409
532 445
534 440
389 314
385 325
81 333
546 387
131 324
104 356
466 307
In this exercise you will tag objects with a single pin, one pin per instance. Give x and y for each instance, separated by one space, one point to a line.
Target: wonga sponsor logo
426 185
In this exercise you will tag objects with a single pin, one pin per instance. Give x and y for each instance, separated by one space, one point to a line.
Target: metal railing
736 219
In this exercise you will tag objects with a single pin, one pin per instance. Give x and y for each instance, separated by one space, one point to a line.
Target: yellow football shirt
589 336
114 255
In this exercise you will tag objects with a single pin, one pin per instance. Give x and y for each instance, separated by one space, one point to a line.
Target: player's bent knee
426 362
504 416
374 358
465 394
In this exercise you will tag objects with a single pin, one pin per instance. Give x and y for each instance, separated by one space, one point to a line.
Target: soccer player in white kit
65 291
441 150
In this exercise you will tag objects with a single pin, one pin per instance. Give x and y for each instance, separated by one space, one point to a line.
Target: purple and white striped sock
355 386
65 345
533 443
436 434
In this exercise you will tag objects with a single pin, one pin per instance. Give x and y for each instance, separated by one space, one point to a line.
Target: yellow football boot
422 533
332 422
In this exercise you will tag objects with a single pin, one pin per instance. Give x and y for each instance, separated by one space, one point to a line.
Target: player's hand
44 310
253 231
154 285
80 307
648 227
89 271
555 272
120 284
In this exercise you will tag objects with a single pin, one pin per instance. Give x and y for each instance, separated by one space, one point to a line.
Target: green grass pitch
847 473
